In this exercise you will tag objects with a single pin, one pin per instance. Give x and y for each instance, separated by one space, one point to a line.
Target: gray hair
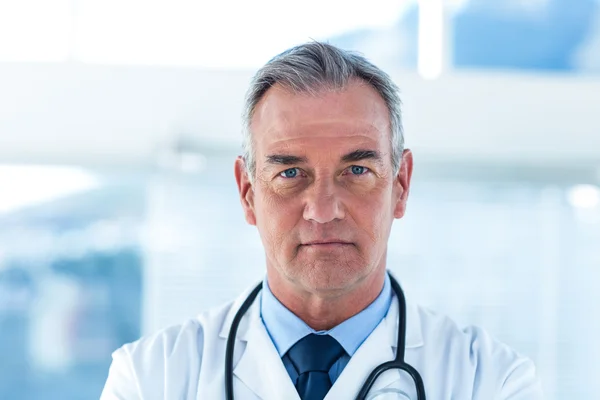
310 68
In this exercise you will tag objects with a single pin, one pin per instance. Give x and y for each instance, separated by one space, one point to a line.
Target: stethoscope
397 363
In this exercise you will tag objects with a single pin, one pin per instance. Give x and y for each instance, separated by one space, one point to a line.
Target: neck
323 310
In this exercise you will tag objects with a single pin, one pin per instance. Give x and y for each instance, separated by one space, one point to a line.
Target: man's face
325 193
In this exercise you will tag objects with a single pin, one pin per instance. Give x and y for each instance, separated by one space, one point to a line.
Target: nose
322 202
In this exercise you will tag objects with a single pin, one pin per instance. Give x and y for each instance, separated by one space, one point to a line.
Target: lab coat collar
380 347
414 334
251 315
259 366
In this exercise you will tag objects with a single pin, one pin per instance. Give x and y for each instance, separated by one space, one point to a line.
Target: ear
245 189
402 183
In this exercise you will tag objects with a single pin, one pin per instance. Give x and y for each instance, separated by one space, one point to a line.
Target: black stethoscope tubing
397 363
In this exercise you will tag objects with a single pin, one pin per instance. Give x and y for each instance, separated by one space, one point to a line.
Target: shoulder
475 342
174 352
491 365
182 338
162 345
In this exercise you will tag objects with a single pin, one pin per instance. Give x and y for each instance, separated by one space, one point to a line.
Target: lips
326 242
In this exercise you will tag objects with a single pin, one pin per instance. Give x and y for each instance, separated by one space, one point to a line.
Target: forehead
354 116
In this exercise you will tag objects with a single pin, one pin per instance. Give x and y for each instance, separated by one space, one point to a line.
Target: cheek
373 214
276 217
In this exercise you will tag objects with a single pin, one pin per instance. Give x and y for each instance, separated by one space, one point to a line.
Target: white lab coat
186 362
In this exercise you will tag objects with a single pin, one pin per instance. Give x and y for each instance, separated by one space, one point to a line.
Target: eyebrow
354 156
284 159
359 155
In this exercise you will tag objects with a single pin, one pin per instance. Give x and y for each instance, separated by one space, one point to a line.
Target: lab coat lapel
260 368
379 348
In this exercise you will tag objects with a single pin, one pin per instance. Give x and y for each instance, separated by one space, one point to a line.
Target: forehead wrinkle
302 147
323 129
284 145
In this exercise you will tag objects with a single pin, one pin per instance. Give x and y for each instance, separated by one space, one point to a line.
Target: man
323 176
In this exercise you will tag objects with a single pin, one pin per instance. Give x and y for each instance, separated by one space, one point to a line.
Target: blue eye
289 173
358 170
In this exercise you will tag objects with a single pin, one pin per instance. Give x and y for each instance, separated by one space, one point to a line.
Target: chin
330 275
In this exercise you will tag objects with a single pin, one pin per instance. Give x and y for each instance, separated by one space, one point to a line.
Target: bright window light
216 34
35 30
431 38
584 196
23 186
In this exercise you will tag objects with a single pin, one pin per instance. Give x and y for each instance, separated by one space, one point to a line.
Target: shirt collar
285 328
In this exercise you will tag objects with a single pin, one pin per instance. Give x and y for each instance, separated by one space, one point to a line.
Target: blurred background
119 215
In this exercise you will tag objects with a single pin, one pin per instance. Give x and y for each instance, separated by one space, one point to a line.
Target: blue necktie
313 356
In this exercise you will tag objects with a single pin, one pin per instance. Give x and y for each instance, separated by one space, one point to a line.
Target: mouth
326 244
